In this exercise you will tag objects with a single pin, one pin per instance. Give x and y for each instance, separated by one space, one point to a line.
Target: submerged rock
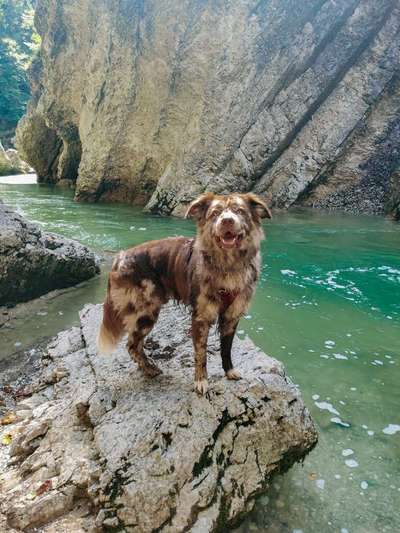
33 262
152 103
140 454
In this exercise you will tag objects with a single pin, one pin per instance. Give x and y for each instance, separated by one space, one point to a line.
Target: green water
327 306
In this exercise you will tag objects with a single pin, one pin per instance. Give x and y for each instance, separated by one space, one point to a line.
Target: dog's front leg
200 329
227 328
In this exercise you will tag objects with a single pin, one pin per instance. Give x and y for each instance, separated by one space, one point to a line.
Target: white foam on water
340 356
351 463
337 420
287 272
347 452
337 476
315 396
330 343
325 406
20 179
370 432
391 429
364 485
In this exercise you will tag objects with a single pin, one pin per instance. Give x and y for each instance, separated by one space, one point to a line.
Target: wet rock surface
33 262
293 100
97 445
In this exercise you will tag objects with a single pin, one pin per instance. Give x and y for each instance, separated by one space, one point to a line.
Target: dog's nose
227 221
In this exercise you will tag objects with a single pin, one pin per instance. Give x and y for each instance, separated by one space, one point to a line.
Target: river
327 306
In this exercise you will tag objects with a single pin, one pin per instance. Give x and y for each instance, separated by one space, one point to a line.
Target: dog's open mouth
230 239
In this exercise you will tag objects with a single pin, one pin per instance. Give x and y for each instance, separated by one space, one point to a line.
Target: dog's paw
152 370
201 386
233 374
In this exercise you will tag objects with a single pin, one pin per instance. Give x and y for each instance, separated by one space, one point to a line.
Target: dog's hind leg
139 330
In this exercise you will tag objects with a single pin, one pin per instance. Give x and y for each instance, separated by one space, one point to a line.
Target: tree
18 44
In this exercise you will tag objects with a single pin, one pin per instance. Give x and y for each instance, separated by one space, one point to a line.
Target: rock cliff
99 443
153 102
33 262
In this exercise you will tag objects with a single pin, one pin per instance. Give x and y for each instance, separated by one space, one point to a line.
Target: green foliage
18 44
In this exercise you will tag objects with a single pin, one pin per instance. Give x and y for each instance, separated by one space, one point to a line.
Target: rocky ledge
33 262
97 446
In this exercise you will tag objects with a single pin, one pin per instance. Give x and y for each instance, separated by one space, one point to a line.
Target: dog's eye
239 210
214 213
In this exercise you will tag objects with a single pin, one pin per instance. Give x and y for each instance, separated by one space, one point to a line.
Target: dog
215 274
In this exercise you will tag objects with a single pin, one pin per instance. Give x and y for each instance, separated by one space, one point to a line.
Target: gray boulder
100 445
33 262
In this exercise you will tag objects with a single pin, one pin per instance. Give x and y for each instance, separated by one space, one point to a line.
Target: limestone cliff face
154 102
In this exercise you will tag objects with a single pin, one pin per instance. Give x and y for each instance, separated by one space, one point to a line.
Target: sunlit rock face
154 102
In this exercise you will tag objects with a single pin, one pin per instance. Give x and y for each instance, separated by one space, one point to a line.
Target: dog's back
141 280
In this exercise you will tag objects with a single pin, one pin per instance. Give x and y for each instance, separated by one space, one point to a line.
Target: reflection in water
327 305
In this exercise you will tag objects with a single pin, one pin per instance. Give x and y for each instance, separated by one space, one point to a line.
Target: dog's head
230 222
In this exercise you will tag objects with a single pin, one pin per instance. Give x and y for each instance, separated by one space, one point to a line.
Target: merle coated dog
214 273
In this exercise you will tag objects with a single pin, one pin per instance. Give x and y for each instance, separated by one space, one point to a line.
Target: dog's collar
227 297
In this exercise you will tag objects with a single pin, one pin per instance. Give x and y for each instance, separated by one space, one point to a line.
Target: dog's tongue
229 239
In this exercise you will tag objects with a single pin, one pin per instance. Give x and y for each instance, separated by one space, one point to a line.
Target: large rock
6 165
11 163
154 102
33 262
16 161
140 454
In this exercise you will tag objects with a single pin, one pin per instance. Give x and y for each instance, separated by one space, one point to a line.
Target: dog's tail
111 329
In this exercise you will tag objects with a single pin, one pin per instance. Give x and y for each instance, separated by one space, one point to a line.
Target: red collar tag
227 297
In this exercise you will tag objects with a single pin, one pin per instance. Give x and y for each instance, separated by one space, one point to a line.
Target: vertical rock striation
154 102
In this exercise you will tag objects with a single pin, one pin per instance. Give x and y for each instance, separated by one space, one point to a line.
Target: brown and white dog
214 273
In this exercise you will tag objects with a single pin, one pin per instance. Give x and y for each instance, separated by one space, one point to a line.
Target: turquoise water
327 306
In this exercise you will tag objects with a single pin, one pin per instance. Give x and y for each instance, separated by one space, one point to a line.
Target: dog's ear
258 208
198 208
